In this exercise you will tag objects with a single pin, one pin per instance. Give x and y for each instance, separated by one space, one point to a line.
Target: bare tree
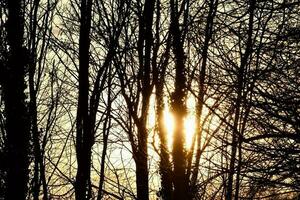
38 46
84 136
178 102
159 71
17 128
236 136
200 98
121 65
138 103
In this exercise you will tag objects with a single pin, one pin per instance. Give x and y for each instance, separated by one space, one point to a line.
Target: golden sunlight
189 124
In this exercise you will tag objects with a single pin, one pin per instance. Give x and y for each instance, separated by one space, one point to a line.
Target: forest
150 99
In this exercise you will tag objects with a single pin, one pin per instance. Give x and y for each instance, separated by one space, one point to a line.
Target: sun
189 124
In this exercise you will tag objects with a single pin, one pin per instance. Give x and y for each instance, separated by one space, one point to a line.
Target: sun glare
189 122
189 125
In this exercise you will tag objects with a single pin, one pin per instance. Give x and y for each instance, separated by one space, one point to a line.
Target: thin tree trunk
106 128
36 59
240 141
159 71
240 84
164 165
32 103
17 128
38 160
238 170
208 34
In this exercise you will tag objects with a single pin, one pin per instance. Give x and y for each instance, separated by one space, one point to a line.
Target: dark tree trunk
39 168
17 128
84 139
159 71
38 159
142 180
200 98
145 43
106 130
32 104
178 104
164 165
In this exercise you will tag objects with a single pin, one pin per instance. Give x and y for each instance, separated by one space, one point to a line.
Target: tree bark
178 105
142 173
84 137
17 128
145 43
159 71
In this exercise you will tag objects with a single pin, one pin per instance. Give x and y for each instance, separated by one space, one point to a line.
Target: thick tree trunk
145 43
142 180
17 128
84 139
164 165
178 105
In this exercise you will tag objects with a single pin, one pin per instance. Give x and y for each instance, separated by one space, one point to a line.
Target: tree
159 71
138 101
84 137
200 98
178 104
86 88
237 135
17 144
37 42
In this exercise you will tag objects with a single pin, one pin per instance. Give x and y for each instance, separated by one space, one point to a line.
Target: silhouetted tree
85 132
178 102
16 108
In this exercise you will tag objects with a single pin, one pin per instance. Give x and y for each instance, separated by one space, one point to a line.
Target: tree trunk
178 104
84 139
159 71
106 130
240 83
164 165
142 180
17 128
145 43
39 173
200 99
